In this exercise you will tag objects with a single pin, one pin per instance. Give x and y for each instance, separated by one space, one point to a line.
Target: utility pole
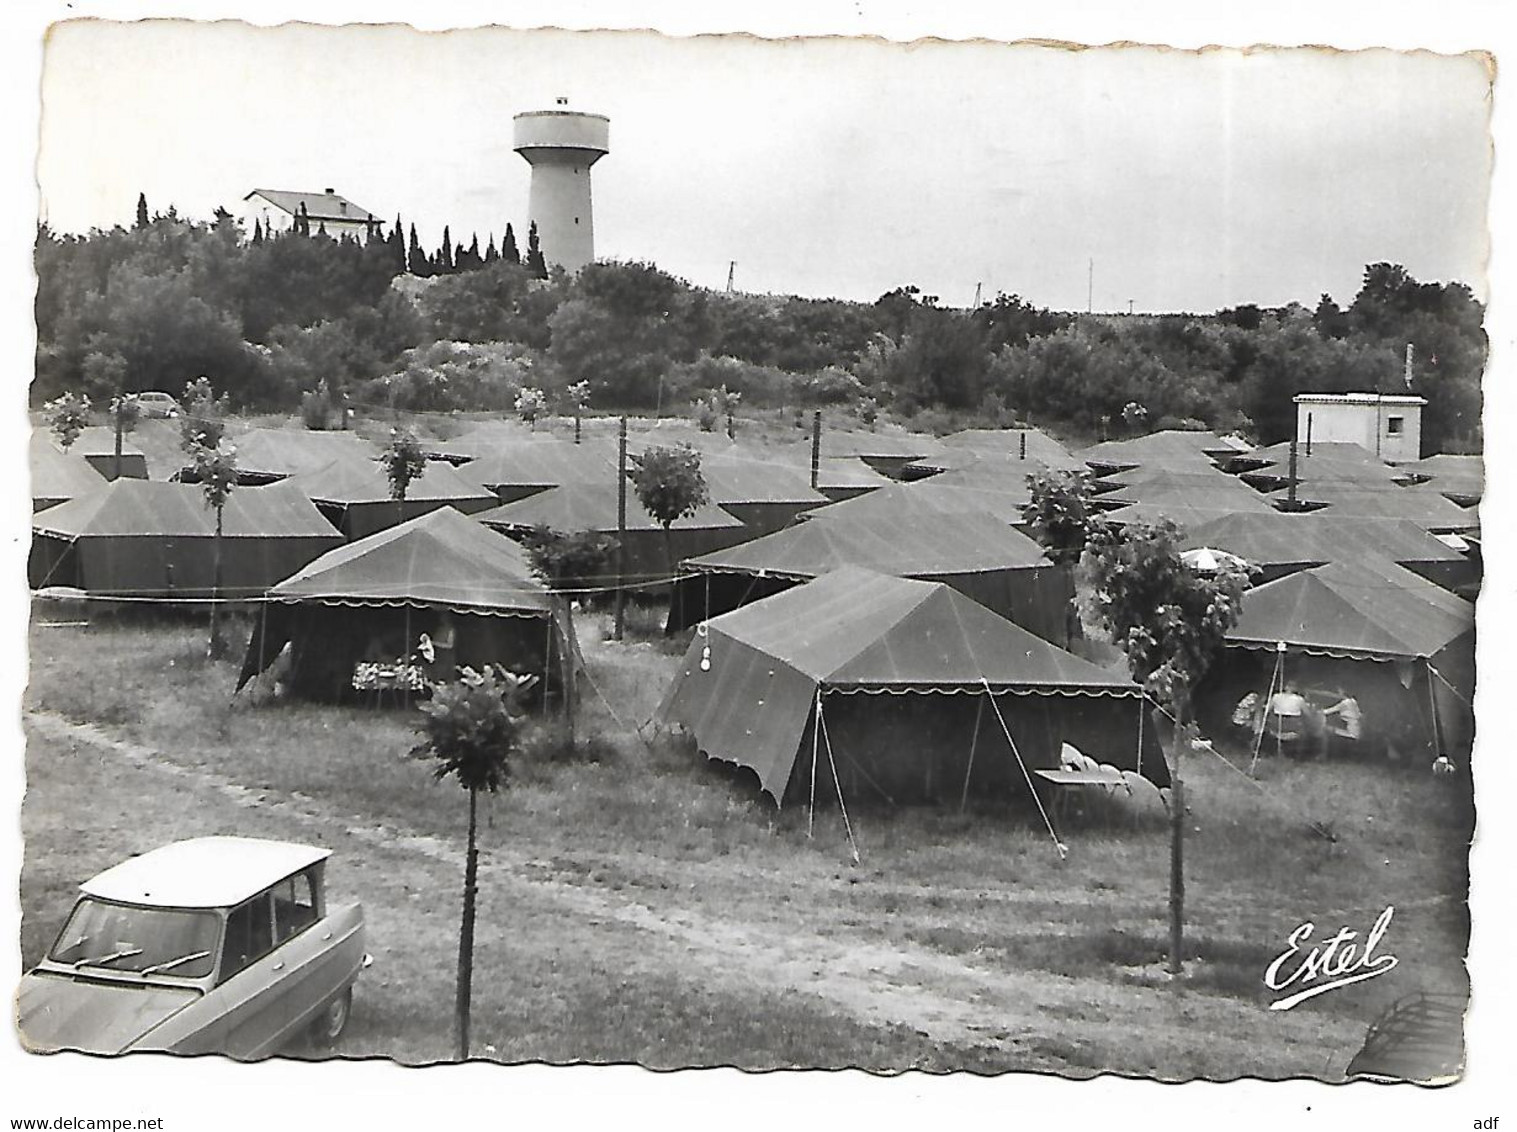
1129 306
816 447
1090 286
619 621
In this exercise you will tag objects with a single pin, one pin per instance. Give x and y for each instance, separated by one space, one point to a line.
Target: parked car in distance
214 945
155 404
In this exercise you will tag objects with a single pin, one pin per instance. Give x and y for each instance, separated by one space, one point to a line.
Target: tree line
269 316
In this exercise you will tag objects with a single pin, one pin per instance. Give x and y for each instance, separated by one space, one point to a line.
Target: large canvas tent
1421 505
1460 479
1400 645
268 454
648 555
148 538
97 445
1277 544
902 503
1172 448
912 681
763 494
58 476
521 468
442 574
1019 446
354 494
975 553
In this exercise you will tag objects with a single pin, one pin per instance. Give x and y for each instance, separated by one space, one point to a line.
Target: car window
249 934
294 906
124 937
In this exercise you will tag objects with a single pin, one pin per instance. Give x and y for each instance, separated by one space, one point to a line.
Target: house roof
205 872
1369 609
936 545
442 558
153 508
319 206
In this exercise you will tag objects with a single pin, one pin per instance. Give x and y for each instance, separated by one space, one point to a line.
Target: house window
1393 425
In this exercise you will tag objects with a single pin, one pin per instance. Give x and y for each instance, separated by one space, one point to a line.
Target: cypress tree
142 217
257 231
445 253
491 254
397 244
535 262
508 250
303 221
321 227
417 259
475 259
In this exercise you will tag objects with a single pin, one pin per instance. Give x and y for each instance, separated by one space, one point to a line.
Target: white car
214 945
155 404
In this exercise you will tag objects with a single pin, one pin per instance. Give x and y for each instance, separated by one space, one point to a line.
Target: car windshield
122 937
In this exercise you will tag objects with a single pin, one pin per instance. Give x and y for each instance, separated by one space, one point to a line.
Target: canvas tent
97 445
902 674
582 507
268 454
1458 478
902 503
974 553
763 494
148 538
841 478
1400 645
1026 446
1425 507
442 574
516 470
58 477
1172 448
354 494
1277 544
888 453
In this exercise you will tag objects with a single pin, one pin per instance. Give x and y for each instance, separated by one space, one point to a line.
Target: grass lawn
646 907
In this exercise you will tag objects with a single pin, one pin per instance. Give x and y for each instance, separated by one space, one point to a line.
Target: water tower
561 145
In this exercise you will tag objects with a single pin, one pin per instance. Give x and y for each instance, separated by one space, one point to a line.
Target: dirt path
1037 1019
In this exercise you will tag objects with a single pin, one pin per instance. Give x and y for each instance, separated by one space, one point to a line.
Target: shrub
316 407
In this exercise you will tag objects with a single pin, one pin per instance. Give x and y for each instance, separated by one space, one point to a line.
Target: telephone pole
1090 286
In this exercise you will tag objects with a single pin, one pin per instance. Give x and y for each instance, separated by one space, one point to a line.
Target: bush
551 743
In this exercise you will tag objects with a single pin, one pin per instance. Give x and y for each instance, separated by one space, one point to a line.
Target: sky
824 175
1164 180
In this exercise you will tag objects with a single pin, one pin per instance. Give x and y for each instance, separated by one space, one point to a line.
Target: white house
1387 424
276 210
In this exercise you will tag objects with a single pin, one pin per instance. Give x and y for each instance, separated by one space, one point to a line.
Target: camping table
1068 782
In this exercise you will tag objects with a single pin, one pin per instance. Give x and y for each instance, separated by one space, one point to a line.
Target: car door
249 996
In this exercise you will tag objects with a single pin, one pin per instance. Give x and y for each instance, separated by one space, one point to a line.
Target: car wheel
333 1019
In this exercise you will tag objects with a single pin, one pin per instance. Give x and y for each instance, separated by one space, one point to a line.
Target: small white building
276 210
1387 424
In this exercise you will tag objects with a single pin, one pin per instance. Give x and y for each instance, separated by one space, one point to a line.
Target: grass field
646 907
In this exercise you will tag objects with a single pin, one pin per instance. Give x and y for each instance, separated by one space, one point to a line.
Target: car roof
205 872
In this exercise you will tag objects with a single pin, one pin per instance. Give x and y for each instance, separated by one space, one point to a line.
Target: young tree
471 731
670 486
142 216
216 472
202 423
1060 514
66 417
530 403
508 249
1171 621
535 262
404 463
579 561
578 396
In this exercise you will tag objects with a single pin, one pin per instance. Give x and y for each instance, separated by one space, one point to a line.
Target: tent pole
1432 703
547 663
816 728
1142 711
836 785
974 739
